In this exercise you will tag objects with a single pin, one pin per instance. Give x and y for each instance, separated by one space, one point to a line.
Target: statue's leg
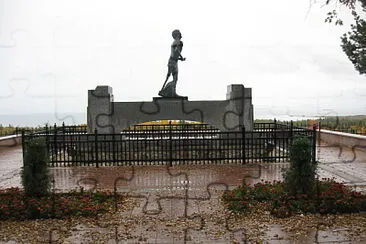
175 79
167 77
162 91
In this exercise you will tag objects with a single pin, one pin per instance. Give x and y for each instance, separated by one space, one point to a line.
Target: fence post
314 144
170 144
243 143
96 147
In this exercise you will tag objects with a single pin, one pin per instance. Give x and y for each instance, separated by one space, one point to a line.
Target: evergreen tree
300 177
35 178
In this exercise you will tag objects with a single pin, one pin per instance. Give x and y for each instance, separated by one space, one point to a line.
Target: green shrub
35 178
300 177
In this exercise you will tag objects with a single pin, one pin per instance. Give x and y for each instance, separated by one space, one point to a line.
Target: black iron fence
170 145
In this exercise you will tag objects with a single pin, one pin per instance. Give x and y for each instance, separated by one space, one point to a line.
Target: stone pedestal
100 110
227 115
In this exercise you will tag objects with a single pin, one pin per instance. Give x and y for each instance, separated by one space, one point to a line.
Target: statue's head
176 33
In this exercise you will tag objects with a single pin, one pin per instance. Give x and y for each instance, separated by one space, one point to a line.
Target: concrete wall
343 139
10 141
227 115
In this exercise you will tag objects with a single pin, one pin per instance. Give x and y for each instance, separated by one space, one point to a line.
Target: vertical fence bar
319 131
71 149
138 149
276 152
55 145
130 147
162 149
170 144
54 128
63 128
105 145
243 143
46 141
85 148
178 148
64 149
289 142
114 151
96 147
253 147
314 144
291 130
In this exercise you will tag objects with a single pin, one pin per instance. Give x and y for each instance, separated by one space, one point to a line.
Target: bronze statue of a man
169 90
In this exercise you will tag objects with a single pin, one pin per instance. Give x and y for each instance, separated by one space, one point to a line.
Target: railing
72 146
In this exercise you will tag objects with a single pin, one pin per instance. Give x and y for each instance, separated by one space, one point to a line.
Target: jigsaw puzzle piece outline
100 115
158 199
12 81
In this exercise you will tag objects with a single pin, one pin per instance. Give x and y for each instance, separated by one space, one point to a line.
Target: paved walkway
343 164
182 204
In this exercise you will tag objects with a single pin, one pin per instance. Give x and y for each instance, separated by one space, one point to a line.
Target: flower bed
330 197
15 205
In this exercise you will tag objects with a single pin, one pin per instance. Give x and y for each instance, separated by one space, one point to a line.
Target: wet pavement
11 161
181 204
343 164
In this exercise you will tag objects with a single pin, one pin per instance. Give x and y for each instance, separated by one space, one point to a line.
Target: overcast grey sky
52 52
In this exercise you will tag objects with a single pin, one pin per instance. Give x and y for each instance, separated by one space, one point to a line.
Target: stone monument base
230 114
